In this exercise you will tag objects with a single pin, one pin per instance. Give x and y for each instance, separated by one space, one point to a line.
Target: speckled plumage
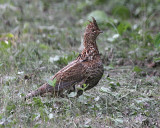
86 69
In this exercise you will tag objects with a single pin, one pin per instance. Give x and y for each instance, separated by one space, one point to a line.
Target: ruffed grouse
86 69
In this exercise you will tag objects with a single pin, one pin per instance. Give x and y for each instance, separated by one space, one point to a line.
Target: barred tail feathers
41 90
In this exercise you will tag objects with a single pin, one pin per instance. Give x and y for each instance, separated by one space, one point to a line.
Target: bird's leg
79 87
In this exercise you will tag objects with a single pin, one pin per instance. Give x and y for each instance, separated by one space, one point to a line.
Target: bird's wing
70 75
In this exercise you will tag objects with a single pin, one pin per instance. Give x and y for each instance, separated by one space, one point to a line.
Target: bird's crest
92 25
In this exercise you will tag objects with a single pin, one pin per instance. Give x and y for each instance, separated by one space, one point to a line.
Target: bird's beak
100 31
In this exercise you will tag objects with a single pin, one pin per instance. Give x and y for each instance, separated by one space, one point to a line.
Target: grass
37 38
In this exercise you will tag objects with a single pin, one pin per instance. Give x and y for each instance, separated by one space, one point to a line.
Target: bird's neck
90 47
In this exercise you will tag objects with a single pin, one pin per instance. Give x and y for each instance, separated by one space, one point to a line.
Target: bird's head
92 29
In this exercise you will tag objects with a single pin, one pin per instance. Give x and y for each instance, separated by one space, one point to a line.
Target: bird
81 74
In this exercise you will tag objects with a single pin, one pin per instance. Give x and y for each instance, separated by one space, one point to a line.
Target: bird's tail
41 90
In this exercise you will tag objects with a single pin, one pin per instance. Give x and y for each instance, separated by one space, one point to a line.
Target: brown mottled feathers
69 76
86 69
